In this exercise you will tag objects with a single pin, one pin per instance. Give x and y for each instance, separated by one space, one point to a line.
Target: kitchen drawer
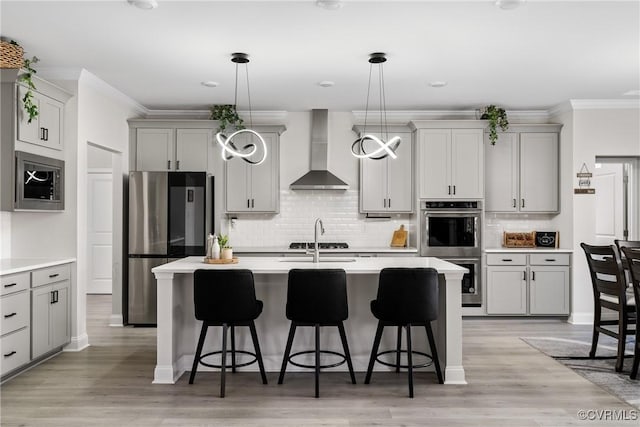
44 276
14 312
15 350
506 259
549 259
14 283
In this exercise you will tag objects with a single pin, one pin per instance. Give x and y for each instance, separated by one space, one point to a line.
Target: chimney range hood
319 178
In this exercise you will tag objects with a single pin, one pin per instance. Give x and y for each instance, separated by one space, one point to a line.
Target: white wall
102 121
98 158
613 131
5 234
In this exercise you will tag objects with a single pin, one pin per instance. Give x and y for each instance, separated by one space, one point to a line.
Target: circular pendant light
382 149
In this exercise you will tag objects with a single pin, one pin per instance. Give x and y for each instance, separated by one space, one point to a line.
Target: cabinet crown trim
447 124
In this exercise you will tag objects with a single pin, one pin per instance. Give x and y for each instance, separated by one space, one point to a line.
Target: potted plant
227 251
12 57
497 117
226 115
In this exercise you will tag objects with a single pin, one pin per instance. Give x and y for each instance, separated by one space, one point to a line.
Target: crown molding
604 104
106 89
402 117
258 117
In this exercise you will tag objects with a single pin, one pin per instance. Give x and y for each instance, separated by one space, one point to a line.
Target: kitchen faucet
316 248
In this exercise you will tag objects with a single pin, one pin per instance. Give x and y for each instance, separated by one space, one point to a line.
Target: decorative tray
519 240
221 261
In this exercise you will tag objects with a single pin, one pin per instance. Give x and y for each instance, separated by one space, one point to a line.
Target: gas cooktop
322 245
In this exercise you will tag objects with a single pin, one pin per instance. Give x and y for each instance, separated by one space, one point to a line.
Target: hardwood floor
109 384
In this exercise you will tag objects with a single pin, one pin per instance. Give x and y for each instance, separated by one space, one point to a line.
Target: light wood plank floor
109 384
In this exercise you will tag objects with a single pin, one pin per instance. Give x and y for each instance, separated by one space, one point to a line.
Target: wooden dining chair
626 244
610 292
633 259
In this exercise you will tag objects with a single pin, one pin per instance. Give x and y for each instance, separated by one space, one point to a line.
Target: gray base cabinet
528 284
15 310
50 323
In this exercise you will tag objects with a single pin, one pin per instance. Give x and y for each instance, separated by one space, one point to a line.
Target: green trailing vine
227 116
496 117
26 79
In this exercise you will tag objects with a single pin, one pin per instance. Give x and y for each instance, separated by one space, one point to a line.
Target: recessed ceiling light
635 92
326 83
509 4
144 4
210 84
437 84
329 4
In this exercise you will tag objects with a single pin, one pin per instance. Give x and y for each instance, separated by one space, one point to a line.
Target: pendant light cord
246 69
366 108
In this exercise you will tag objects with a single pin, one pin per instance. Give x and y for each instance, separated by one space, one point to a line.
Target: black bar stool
317 298
406 297
226 298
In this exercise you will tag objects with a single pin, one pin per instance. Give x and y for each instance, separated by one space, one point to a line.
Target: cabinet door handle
253 203
514 203
8 285
10 354
177 165
46 134
384 202
6 316
51 276
449 191
454 190
507 259
524 275
52 299
533 275
41 134
248 203
168 164
389 202
522 205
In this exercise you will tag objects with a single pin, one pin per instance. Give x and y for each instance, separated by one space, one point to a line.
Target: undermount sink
322 259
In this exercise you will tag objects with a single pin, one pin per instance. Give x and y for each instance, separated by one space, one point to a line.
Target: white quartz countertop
528 250
278 265
283 250
19 265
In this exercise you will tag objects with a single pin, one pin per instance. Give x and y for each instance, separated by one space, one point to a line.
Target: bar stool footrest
237 365
393 365
302 365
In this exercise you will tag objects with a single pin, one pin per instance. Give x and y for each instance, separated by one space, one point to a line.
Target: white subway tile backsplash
298 211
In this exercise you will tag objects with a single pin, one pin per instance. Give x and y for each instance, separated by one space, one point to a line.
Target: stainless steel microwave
39 182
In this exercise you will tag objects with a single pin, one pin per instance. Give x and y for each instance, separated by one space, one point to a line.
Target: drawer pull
507 259
10 285
10 354
6 316
550 259
51 276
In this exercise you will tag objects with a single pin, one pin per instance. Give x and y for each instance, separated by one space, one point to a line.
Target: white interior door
608 181
100 212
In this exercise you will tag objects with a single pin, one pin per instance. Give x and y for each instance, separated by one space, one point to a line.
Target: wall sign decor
584 181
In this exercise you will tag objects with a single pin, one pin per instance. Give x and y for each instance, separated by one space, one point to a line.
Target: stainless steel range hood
319 178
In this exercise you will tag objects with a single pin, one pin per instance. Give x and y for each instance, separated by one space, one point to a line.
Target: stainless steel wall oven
452 230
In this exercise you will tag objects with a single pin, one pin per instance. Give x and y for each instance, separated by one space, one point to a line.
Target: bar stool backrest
607 274
409 294
317 295
224 295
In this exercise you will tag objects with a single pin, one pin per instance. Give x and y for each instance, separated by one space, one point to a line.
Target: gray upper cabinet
46 128
254 188
171 149
522 170
386 185
451 159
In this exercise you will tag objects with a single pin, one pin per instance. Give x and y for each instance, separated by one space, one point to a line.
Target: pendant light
250 152
384 148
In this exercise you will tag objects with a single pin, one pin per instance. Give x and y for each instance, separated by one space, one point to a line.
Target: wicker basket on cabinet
11 55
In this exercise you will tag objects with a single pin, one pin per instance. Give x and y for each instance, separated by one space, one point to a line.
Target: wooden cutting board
399 239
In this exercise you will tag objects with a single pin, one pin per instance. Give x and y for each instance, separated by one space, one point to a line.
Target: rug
600 371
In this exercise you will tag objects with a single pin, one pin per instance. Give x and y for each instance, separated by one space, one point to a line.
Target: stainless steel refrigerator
167 221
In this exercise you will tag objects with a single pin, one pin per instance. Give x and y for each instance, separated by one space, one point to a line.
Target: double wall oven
452 230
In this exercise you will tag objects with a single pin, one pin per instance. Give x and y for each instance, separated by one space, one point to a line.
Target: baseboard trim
115 320
77 343
581 319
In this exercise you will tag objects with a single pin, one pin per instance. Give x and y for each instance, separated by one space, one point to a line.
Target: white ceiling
533 57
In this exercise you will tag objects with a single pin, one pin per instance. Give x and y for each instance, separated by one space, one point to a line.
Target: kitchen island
178 329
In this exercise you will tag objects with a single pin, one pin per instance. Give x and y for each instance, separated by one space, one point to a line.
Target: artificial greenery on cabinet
496 117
